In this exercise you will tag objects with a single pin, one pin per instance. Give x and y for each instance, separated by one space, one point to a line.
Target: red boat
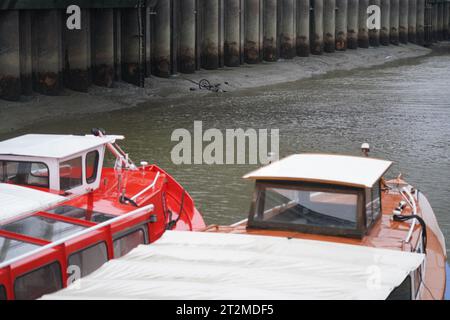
63 215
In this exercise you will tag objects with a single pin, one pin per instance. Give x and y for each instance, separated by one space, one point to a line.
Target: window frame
378 218
260 185
87 248
54 262
3 174
82 167
93 178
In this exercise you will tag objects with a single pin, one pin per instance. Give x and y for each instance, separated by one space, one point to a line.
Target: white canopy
324 168
17 201
190 265
52 146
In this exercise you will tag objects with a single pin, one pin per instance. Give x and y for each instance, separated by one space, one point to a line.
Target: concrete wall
129 41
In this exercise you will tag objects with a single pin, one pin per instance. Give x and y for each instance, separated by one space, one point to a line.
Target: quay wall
130 40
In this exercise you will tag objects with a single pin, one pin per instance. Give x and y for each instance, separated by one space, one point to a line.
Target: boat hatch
304 193
42 228
82 214
10 248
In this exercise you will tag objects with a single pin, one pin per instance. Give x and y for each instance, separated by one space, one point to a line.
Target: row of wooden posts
38 53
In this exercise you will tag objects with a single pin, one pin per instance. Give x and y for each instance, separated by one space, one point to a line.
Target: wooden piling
329 25
374 33
353 26
420 23
162 48
10 87
403 21
363 32
26 66
252 31
77 55
187 38
412 21
385 22
47 51
394 22
270 31
341 24
287 35
102 28
317 28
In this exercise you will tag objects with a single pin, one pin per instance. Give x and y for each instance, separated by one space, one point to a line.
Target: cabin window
82 214
70 174
403 291
10 249
128 242
43 228
33 285
373 204
316 209
90 259
92 166
2 293
24 173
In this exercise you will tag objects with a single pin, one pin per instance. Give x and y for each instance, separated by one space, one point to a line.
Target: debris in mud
204 84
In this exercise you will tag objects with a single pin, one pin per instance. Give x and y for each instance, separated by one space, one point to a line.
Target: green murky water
402 110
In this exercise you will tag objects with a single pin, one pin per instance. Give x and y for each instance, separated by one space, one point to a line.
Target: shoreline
39 108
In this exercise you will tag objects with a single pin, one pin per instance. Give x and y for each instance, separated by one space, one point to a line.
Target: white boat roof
217 266
52 145
16 201
324 168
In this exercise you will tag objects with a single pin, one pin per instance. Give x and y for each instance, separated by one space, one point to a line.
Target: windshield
297 207
24 173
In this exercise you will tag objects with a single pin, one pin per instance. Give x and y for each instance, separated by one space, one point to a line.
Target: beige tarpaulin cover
188 265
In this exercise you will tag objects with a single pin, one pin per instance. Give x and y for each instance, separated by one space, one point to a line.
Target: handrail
147 209
412 203
134 198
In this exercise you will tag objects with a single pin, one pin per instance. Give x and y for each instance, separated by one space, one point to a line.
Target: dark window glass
402 292
2 293
91 166
24 173
307 207
37 283
10 249
43 228
128 242
83 214
90 259
70 174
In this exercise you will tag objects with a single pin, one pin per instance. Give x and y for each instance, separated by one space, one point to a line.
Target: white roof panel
324 168
216 266
16 201
52 146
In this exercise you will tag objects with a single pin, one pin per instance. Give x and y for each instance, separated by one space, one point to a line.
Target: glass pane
91 166
70 174
43 228
90 259
37 283
127 243
311 208
2 293
24 173
10 249
83 214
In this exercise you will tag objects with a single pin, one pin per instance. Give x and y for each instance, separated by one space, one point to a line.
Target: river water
401 109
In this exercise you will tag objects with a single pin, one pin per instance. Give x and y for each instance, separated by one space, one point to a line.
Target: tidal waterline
402 110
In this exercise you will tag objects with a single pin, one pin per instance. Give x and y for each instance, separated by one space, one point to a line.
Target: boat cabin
66 163
318 194
63 215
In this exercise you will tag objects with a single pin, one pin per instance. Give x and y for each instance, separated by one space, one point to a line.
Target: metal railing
152 185
147 209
